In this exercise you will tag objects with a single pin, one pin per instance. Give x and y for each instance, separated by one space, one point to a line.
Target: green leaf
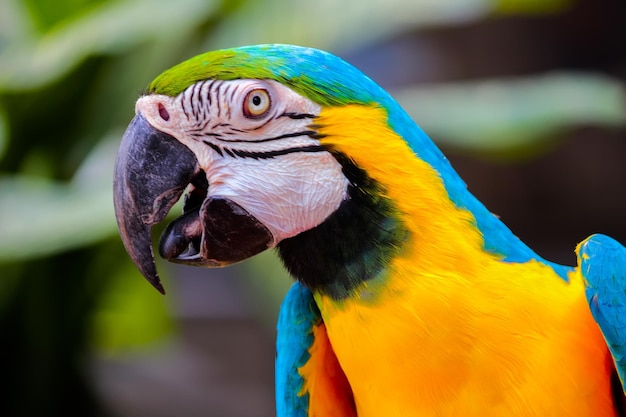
130 313
15 23
504 115
47 13
531 6
39 217
4 132
110 28
337 24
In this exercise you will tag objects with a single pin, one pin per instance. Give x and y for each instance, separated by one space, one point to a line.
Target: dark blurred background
526 97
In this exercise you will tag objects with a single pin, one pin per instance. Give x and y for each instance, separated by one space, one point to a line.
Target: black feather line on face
354 244
215 148
220 150
310 133
298 116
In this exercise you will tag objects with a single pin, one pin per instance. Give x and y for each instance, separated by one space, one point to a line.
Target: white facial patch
255 141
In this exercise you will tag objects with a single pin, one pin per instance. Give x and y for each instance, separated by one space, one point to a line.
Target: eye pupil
256 103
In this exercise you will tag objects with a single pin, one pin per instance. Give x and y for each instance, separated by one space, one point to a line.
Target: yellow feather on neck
414 186
450 329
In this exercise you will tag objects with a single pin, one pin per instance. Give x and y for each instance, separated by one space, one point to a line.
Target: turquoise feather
298 315
602 263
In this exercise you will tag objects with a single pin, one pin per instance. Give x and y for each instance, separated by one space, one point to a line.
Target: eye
256 103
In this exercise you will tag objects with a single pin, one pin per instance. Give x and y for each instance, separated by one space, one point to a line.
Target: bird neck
397 202
353 245
405 201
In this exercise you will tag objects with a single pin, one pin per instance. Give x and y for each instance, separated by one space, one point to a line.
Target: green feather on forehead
322 77
220 65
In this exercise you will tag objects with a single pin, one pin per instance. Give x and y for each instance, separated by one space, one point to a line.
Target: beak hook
152 170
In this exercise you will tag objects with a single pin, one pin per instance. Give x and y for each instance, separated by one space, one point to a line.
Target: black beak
152 170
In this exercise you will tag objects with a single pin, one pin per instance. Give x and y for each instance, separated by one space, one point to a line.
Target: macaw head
278 146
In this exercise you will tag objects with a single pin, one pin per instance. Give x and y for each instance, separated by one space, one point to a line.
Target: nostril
165 115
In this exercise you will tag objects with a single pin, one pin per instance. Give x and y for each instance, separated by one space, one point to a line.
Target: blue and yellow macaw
411 298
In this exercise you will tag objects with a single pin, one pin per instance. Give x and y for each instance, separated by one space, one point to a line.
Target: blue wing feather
602 263
298 315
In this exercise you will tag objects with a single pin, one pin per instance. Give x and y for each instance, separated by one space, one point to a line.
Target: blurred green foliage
511 117
70 71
